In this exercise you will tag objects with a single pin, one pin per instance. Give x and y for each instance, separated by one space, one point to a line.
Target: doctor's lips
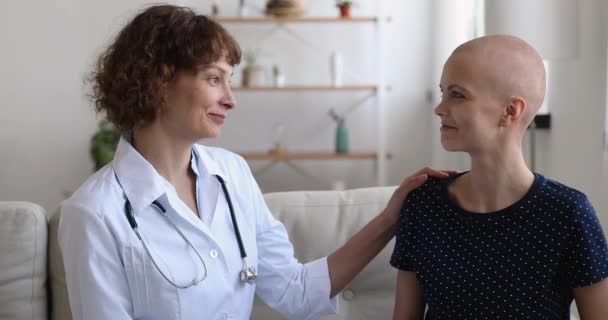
217 118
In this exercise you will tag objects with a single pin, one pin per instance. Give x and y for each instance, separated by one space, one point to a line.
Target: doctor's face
198 102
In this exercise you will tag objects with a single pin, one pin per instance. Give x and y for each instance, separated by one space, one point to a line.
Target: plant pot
253 76
344 11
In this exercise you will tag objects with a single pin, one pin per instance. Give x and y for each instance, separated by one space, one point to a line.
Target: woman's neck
168 155
496 181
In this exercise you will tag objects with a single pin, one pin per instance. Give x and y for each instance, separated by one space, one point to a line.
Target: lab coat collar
138 178
141 182
206 163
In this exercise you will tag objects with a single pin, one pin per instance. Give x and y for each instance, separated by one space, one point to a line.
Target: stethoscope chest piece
248 275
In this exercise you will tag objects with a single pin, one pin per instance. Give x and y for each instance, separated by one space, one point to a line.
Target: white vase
279 80
336 65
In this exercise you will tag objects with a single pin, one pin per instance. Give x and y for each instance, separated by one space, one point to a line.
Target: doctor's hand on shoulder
346 262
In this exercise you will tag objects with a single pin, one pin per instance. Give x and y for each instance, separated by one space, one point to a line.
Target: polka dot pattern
517 263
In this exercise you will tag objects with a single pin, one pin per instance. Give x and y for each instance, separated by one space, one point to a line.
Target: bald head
509 67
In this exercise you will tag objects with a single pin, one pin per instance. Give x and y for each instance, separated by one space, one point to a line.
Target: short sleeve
401 258
586 255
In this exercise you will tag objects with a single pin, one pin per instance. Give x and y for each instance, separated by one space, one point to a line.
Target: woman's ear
514 110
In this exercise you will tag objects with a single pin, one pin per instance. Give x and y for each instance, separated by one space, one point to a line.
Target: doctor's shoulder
95 194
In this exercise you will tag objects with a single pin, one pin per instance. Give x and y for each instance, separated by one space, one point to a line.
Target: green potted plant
103 144
344 6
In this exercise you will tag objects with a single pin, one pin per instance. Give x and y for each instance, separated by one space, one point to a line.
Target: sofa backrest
318 222
23 254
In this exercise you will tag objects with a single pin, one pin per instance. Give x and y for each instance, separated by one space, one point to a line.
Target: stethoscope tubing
248 274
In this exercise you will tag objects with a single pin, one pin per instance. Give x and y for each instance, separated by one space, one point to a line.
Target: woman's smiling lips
445 127
217 118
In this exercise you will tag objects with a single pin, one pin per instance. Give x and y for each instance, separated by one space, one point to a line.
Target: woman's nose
439 110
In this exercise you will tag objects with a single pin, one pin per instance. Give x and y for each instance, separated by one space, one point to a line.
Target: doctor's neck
169 155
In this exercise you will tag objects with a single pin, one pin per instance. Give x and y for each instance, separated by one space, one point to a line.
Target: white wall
46 121
571 151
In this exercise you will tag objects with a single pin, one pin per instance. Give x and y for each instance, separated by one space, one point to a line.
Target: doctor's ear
513 110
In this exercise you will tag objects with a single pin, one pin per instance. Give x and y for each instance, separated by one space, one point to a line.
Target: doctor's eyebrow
217 68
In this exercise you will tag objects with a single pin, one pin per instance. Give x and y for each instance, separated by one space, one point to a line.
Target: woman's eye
456 94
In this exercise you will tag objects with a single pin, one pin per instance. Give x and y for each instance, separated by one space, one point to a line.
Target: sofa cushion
318 222
23 243
60 306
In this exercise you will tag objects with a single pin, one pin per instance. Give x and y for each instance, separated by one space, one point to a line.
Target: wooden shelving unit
376 88
285 155
297 20
309 88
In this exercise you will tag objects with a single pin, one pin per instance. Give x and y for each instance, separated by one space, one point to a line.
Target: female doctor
175 230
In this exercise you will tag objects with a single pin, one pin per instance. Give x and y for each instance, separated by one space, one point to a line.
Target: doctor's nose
228 100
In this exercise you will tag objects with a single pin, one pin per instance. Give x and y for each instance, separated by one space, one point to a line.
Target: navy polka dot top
517 263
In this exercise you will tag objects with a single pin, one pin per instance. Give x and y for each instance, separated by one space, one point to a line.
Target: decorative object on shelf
253 74
341 132
278 131
344 6
335 68
278 77
285 8
103 144
243 12
215 9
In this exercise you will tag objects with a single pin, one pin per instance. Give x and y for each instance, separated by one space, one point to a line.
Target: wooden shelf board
282 156
309 88
296 20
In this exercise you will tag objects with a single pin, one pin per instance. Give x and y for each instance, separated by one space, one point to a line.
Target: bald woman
499 241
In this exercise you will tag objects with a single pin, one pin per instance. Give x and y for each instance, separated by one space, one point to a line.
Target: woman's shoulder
572 204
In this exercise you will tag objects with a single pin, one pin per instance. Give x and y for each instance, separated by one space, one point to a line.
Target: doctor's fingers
435 173
410 183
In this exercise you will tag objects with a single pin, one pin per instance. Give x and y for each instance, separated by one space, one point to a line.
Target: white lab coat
109 275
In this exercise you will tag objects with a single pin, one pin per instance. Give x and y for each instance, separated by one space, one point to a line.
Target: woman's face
198 102
470 115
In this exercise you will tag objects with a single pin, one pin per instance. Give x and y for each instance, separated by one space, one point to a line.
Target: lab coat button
213 253
348 295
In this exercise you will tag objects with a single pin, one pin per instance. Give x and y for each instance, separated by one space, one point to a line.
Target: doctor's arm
347 261
96 282
591 301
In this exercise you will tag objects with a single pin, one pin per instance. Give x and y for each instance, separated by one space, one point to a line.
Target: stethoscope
247 275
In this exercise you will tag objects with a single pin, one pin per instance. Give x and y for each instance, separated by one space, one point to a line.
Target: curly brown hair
130 76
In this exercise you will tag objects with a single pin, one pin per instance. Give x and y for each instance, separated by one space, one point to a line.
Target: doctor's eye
213 80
